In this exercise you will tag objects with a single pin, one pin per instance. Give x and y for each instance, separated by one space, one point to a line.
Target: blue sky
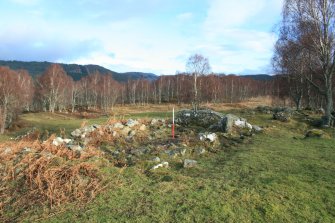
142 35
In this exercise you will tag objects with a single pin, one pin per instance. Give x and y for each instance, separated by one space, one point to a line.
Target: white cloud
236 36
137 46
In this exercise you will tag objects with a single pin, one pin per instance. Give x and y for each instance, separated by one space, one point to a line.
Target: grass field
279 177
55 123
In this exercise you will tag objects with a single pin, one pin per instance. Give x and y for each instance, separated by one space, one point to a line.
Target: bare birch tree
310 24
197 65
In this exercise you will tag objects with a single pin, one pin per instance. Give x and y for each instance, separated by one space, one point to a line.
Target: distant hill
259 77
76 71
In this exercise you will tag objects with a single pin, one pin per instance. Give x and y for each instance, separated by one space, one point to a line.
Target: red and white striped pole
173 123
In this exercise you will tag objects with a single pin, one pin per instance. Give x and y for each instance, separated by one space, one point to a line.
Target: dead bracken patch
36 173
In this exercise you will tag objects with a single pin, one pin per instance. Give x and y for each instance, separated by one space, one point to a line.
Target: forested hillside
76 71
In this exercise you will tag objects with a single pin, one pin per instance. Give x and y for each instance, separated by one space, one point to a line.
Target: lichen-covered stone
208 137
190 163
203 118
282 116
316 133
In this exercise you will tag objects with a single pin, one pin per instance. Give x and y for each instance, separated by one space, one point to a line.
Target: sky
155 36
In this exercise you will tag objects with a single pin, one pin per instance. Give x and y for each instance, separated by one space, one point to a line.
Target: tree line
55 91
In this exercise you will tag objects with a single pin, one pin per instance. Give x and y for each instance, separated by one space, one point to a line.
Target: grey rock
118 125
161 165
207 137
67 141
200 151
282 109
242 124
190 163
316 133
257 128
75 148
156 159
131 123
154 121
88 129
143 127
125 131
203 118
226 124
282 116
58 141
76 133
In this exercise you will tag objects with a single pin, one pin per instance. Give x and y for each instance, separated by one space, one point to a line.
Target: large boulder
316 133
286 110
282 116
226 124
229 121
203 118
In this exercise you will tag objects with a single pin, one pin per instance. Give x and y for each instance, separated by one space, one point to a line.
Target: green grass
53 123
278 177
144 115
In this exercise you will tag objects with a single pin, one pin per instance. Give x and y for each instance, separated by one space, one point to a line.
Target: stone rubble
132 130
189 163
211 137
161 165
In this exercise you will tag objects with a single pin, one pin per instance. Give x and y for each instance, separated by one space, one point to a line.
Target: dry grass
35 173
137 109
249 104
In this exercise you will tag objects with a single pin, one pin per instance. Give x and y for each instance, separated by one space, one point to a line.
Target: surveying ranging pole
173 122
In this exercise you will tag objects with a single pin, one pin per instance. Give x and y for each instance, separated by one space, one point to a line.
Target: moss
316 133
